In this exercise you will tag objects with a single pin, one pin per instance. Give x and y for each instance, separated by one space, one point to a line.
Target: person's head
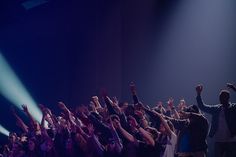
31 144
162 128
138 106
153 131
47 145
189 109
62 122
123 105
192 108
12 137
115 119
129 110
224 97
182 105
91 106
159 104
17 146
159 107
69 144
111 145
36 128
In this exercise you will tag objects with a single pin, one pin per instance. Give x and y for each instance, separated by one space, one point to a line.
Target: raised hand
115 100
47 111
231 86
90 129
25 108
170 102
199 89
132 87
138 113
61 105
95 98
42 107
159 105
132 122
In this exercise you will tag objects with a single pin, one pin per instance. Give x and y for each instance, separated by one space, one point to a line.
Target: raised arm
143 132
134 92
142 119
171 107
93 141
33 122
115 136
20 122
110 106
96 102
125 133
165 124
204 107
231 86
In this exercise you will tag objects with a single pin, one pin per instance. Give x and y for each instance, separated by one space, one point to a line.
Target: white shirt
170 146
223 133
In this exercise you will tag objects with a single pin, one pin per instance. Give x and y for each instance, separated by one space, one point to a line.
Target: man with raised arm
223 127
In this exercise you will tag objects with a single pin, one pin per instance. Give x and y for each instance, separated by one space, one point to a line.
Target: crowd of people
119 129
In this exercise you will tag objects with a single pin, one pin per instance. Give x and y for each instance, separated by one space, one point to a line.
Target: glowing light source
12 89
4 131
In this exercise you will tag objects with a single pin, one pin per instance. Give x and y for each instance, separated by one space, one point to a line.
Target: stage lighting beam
13 89
4 131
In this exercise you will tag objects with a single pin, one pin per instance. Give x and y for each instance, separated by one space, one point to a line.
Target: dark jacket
214 110
196 130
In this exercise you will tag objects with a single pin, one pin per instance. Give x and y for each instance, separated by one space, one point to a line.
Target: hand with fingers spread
25 108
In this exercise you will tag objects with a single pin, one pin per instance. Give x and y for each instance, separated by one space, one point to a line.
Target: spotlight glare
12 89
4 131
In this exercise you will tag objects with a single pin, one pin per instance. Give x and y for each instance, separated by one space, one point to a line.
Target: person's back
192 133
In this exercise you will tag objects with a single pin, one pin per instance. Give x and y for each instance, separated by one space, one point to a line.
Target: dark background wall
69 50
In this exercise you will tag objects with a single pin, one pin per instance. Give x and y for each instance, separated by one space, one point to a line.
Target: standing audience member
223 127
115 129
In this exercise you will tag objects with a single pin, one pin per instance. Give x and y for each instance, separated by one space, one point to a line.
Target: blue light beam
4 131
12 89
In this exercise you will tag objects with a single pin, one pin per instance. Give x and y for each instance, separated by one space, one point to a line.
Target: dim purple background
68 50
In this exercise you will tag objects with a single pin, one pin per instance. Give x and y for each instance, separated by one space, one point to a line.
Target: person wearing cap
223 127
